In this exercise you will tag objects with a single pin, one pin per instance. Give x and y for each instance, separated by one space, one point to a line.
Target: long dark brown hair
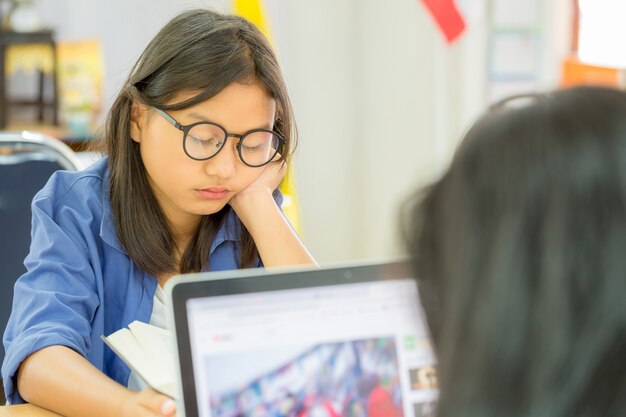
198 51
519 255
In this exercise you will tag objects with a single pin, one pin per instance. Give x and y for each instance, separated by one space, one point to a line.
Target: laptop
346 340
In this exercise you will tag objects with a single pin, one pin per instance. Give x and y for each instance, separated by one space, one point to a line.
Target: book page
146 350
156 345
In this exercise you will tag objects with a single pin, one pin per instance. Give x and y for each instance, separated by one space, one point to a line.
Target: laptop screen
353 349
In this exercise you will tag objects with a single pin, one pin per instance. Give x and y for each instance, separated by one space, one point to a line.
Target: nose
224 164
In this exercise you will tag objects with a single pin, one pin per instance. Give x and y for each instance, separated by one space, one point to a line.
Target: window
602 33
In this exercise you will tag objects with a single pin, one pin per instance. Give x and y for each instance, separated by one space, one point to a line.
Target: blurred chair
26 162
28 52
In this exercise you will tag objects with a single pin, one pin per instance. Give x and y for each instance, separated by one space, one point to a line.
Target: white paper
146 350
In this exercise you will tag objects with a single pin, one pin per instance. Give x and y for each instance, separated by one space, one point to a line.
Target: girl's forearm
59 379
277 243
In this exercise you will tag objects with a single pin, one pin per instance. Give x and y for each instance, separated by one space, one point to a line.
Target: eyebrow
201 118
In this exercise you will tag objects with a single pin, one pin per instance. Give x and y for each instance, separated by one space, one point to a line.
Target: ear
137 120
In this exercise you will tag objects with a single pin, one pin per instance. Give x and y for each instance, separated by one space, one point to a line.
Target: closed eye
257 148
205 142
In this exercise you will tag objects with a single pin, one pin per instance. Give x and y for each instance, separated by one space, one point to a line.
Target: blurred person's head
520 254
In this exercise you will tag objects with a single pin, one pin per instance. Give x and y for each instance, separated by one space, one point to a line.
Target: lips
213 193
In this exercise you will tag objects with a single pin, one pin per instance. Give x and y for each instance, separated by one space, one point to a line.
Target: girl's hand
265 184
276 241
149 403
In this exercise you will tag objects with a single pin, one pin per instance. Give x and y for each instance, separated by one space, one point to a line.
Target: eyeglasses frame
186 128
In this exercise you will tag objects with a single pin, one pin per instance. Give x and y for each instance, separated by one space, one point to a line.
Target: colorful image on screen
358 378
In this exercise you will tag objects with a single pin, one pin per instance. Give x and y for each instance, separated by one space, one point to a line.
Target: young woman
519 254
196 146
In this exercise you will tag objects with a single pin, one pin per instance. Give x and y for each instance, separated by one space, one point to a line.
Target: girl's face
187 189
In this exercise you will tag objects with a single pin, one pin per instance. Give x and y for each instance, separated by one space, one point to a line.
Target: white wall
380 99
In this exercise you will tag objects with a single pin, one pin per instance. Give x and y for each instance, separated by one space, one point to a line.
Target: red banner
447 17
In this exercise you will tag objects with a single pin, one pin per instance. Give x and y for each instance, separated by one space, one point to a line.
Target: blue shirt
80 284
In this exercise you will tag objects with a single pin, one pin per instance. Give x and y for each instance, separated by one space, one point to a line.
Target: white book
147 350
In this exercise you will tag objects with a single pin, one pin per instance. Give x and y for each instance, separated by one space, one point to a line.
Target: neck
182 234
183 229
182 240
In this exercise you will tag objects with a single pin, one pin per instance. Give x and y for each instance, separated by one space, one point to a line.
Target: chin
210 209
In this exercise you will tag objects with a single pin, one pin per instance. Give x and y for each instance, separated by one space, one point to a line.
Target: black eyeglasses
203 140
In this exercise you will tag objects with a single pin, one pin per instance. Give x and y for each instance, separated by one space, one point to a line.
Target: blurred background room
382 91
